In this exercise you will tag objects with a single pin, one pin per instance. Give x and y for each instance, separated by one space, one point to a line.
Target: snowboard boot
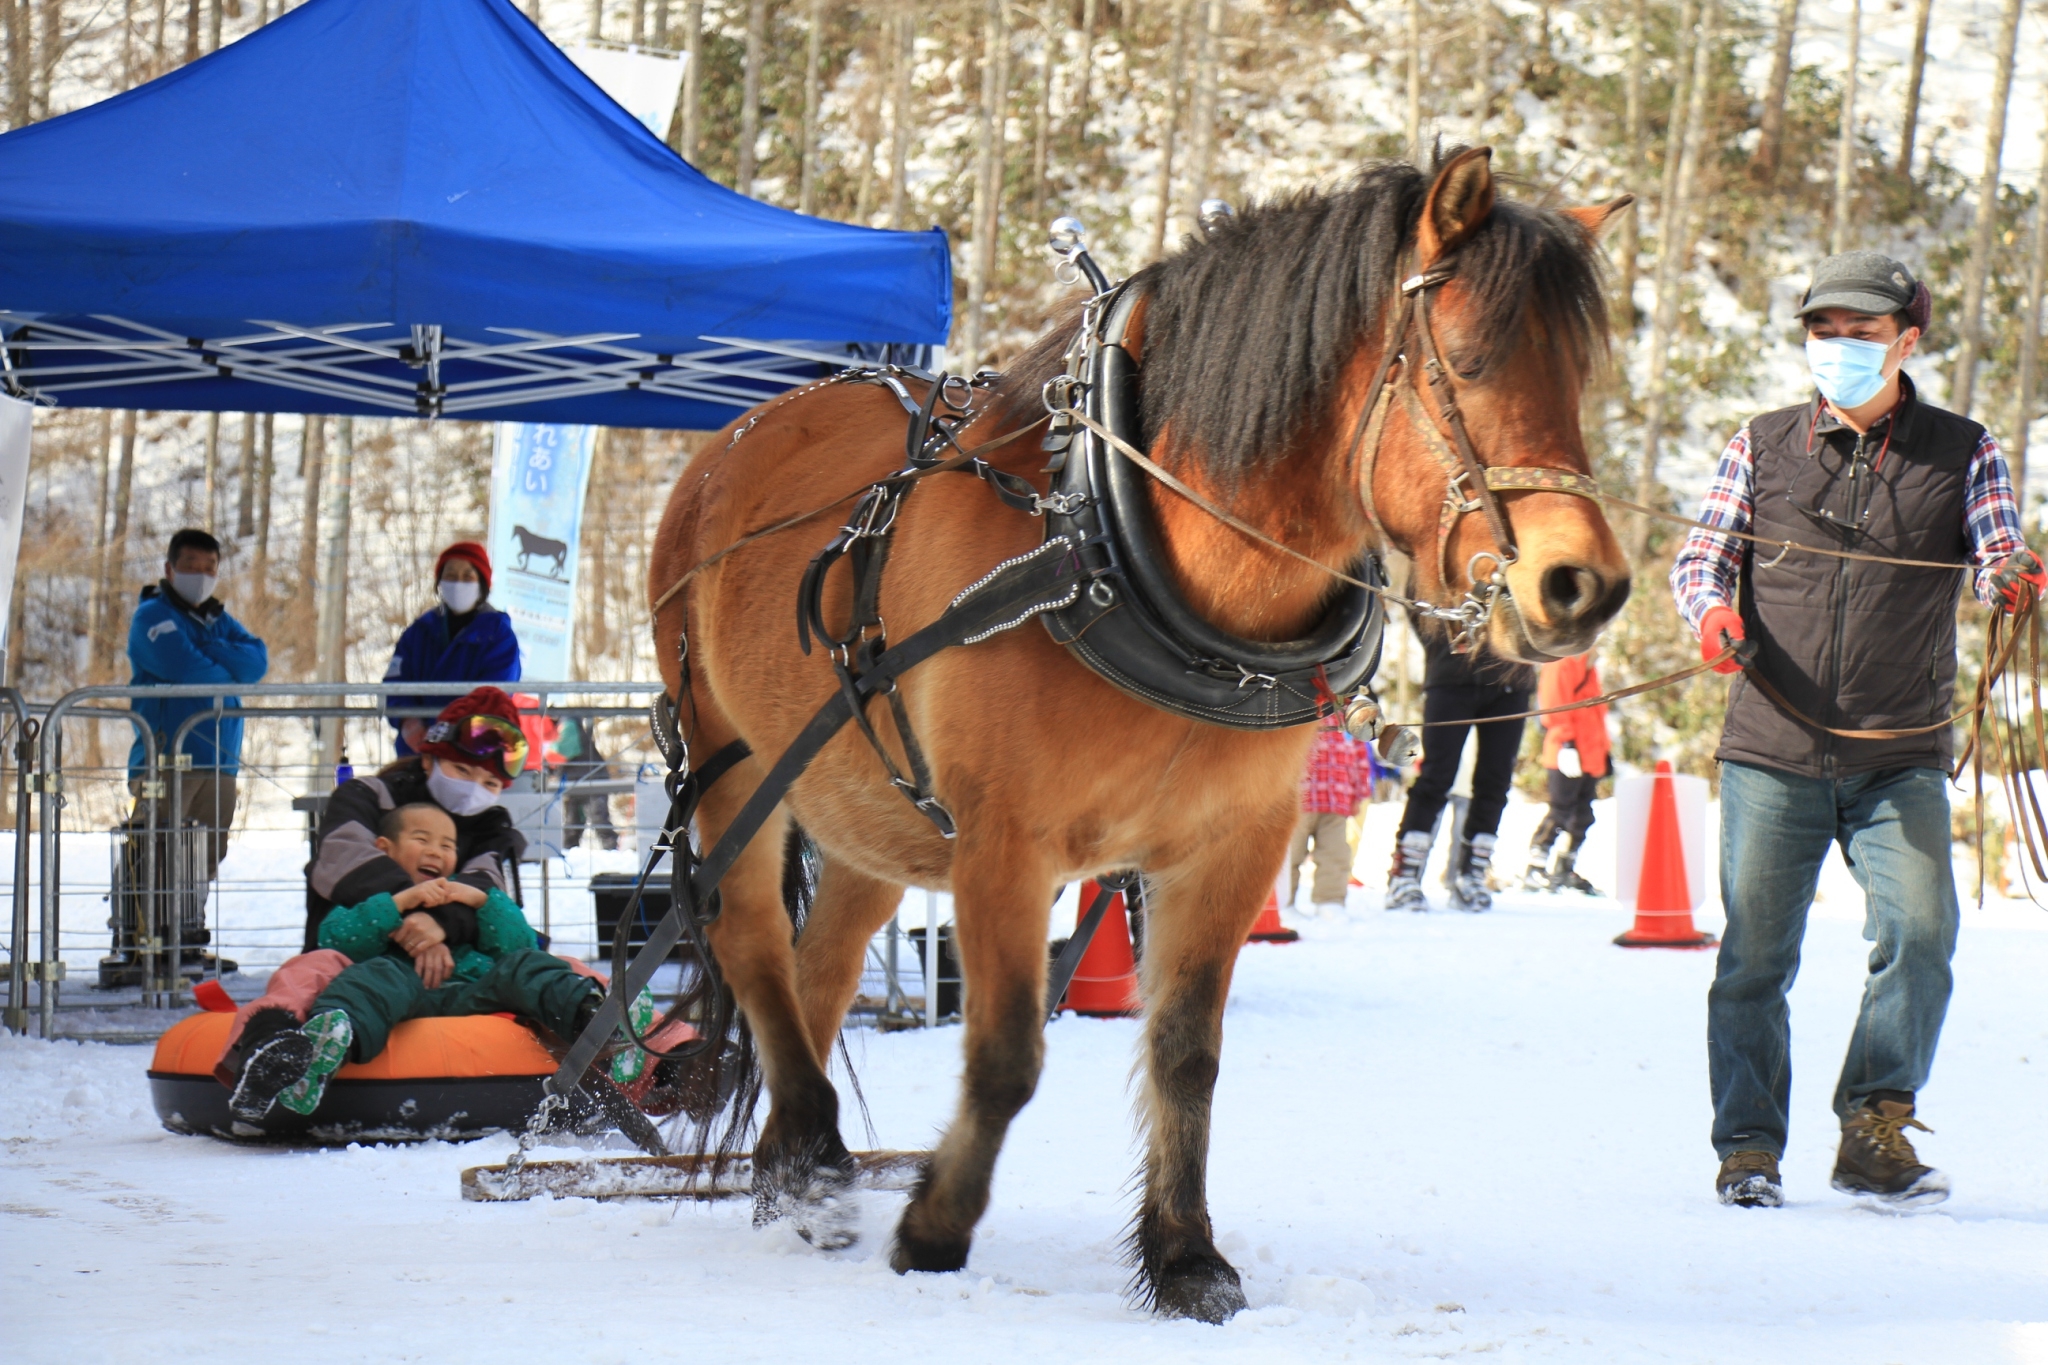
1469 888
1749 1180
1404 881
1564 876
1877 1163
272 1066
330 1034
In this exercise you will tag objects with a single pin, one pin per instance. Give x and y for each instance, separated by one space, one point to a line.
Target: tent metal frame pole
329 362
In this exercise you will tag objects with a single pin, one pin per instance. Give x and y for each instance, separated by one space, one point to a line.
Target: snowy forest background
1757 135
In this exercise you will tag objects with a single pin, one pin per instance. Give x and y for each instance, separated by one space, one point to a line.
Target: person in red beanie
461 638
467 756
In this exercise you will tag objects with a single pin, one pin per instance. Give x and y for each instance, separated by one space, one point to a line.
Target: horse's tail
719 1088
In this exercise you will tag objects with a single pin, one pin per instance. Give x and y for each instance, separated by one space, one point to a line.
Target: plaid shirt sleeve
1708 566
1991 513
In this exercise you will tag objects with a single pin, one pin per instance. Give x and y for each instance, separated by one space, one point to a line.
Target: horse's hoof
1205 1288
821 1204
935 1257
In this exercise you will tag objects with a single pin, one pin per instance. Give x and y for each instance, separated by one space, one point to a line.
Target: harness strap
1069 962
1007 598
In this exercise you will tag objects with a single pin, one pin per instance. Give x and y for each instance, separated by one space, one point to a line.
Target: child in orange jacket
1575 752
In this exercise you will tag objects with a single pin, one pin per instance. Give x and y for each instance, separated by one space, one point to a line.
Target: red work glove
2018 571
1717 622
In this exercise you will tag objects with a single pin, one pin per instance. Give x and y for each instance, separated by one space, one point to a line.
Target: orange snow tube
453 1078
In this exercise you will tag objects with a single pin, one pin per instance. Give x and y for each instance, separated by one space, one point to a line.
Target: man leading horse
1839 732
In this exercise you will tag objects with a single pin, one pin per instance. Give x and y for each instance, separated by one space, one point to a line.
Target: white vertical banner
644 84
16 422
539 472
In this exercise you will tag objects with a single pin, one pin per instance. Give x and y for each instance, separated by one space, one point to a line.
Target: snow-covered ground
1436 1136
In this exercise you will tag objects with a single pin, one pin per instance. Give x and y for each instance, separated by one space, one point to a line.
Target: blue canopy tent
420 208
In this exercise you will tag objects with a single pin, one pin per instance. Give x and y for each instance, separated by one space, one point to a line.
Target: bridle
1471 484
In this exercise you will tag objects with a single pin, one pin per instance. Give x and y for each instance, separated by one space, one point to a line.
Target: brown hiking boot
1749 1180
1877 1162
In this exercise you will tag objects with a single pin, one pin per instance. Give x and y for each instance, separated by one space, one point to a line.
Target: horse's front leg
850 910
1002 897
1197 916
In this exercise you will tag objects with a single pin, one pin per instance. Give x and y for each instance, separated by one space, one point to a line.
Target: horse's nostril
1569 590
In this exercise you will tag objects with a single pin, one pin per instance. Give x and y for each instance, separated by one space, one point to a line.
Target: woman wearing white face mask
467 756
461 638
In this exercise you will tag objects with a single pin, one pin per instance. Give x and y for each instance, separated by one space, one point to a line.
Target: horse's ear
1599 218
1459 202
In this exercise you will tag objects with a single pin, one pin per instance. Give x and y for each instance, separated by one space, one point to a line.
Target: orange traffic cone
1105 985
1663 891
1267 928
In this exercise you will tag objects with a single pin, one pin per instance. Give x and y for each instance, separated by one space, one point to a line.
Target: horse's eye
1467 364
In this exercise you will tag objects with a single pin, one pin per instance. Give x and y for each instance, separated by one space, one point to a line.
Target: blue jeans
1893 827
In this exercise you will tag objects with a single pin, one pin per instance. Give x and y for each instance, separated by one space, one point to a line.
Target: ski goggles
491 739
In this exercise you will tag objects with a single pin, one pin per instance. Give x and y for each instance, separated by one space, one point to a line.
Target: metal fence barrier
162 866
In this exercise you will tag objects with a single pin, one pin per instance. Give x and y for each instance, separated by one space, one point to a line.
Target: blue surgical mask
1849 373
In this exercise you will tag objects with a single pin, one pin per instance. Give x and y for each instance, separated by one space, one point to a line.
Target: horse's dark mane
1249 328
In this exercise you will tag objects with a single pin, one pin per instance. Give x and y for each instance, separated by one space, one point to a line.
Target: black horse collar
1130 623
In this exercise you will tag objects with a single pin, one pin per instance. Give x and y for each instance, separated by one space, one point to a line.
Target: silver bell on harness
1398 745
1362 716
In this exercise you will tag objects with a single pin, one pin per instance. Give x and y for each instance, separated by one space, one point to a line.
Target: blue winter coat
483 651
169 642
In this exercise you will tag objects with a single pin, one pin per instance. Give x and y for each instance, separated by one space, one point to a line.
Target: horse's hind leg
1196 923
850 908
802 1169
1004 901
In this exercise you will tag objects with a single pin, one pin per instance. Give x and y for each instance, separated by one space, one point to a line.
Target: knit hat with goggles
481 728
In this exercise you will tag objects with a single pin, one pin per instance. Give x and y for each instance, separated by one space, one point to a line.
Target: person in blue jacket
462 638
182 634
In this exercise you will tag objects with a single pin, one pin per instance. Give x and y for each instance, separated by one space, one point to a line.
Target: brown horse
1257 346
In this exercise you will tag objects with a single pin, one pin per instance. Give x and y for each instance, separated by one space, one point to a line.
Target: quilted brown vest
1857 646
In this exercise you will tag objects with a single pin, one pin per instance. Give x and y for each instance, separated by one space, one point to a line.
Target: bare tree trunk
1041 129
1482 64
211 483
870 118
1202 160
2030 337
596 19
899 114
1085 86
660 38
266 470
1917 70
20 67
160 40
1175 71
1674 246
1772 128
987 179
639 28
245 491
814 55
1845 139
1413 124
750 95
312 452
114 559
96 606
1963 379
1630 245
52 49
191 30
331 645
693 77
213 25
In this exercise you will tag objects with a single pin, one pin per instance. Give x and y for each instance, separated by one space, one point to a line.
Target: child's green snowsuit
504 971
